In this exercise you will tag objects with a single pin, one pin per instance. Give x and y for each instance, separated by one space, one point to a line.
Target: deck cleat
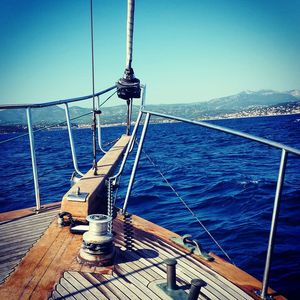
177 293
191 245
74 178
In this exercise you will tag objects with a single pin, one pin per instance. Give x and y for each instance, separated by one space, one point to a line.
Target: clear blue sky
184 51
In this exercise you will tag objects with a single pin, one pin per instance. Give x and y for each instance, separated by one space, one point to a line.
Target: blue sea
228 182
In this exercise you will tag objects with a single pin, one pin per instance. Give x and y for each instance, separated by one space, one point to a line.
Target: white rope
186 206
130 24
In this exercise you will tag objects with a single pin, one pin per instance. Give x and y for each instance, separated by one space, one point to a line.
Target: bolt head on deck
170 262
198 283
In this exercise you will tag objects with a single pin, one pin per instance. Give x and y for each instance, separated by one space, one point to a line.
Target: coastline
252 116
15 128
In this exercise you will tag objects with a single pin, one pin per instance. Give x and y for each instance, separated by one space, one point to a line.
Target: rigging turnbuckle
191 245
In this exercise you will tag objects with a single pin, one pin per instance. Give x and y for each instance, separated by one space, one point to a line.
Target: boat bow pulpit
131 259
120 255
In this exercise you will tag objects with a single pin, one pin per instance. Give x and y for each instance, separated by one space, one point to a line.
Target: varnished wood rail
94 185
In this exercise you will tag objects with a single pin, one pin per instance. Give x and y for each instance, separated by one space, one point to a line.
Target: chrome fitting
171 273
97 247
196 285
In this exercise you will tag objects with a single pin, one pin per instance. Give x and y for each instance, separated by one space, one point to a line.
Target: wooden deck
37 265
19 231
50 269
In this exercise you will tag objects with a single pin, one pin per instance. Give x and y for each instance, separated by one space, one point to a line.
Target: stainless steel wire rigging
93 89
185 204
44 128
57 124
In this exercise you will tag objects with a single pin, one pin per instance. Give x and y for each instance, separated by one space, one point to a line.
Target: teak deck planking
17 214
56 251
50 268
18 233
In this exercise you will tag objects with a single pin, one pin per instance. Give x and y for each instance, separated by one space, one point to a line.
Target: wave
229 184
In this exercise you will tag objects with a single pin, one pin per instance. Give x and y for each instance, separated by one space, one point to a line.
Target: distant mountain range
258 102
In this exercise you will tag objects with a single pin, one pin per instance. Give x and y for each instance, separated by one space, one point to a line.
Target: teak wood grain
240 278
41 268
95 184
56 252
14 214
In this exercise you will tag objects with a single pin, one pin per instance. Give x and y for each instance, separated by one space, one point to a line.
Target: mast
128 87
130 24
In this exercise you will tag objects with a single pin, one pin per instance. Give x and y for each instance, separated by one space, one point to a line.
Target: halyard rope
130 24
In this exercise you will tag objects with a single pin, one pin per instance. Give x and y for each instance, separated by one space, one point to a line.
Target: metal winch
97 247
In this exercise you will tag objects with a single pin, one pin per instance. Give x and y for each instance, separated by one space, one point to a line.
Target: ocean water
228 182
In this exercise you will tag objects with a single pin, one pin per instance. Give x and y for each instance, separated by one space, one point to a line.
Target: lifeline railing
284 155
65 102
